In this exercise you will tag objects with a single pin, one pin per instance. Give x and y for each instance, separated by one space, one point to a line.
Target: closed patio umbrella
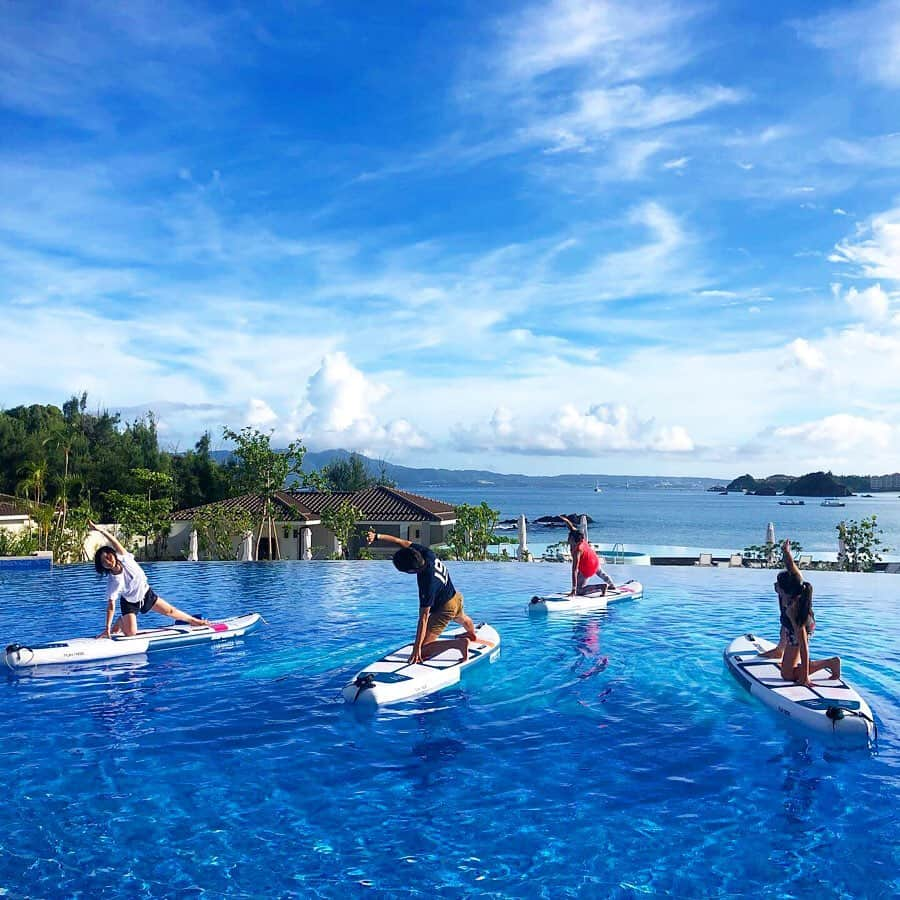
193 554
770 541
523 539
247 547
582 526
306 543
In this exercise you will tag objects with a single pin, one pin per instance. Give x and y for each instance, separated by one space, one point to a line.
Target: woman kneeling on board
125 579
439 602
797 625
585 564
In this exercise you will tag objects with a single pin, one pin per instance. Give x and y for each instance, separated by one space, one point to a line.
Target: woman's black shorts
144 606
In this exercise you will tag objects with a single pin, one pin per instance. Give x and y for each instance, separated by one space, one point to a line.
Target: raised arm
788 559
113 541
569 523
372 536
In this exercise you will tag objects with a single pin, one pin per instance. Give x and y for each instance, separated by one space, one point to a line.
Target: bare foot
463 646
834 667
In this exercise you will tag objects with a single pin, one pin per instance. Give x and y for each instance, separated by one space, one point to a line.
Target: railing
618 553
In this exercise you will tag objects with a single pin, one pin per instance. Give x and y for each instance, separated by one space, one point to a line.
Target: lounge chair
705 560
805 559
736 561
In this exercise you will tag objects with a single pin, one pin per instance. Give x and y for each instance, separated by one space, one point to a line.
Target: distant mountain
411 478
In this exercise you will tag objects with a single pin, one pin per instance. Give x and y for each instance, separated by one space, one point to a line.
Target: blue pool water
603 755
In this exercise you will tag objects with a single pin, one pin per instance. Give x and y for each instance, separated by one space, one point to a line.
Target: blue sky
549 237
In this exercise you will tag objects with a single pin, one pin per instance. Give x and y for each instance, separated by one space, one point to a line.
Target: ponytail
804 603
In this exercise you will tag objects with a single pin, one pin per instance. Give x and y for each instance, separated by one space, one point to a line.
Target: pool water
608 754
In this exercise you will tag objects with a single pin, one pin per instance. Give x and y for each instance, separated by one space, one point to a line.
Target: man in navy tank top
439 602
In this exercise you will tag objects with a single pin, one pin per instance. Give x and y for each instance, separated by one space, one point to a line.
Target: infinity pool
603 755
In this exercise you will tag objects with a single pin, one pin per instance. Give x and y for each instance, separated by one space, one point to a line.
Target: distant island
813 484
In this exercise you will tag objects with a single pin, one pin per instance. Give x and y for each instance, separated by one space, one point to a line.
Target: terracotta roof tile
376 504
12 506
288 508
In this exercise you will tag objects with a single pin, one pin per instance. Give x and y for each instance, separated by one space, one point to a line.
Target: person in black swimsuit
797 625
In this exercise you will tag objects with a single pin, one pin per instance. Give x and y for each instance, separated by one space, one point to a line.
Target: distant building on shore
885 482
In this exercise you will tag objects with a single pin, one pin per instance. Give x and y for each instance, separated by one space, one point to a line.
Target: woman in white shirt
127 582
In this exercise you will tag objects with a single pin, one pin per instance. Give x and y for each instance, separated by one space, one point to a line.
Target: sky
553 237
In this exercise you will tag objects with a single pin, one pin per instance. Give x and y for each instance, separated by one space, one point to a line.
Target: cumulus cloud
337 411
840 433
802 354
872 303
603 428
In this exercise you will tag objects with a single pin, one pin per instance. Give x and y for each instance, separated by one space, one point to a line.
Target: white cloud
613 40
841 434
804 355
598 112
872 303
260 415
337 411
603 428
865 38
678 164
874 249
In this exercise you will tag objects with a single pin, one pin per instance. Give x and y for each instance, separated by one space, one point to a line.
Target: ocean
673 521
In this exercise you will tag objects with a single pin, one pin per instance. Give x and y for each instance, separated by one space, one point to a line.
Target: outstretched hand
370 536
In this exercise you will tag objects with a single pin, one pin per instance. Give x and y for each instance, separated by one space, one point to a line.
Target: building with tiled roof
298 523
14 513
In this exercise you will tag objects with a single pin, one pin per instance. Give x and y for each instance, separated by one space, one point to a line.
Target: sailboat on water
597 488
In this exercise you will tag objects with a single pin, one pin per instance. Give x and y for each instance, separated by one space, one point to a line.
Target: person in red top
585 564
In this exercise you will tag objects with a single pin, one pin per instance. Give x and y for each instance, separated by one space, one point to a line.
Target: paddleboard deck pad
392 679
77 650
831 706
596 599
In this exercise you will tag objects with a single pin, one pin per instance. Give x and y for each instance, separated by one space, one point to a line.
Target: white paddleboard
631 590
76 650
831 706
392 679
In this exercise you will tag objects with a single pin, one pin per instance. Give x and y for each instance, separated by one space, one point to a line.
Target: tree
473 531
769 553
216 524
198 478
258 469
143 514
349 474
341 520
352 474
862 545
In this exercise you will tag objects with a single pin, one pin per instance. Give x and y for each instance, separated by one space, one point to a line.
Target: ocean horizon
673 520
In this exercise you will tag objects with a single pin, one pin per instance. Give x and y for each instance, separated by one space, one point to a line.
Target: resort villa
14 515
298 524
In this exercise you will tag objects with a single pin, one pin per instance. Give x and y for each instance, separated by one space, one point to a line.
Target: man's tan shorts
438 621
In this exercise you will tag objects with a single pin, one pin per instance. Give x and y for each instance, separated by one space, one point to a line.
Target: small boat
598 489
792 503
832 501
